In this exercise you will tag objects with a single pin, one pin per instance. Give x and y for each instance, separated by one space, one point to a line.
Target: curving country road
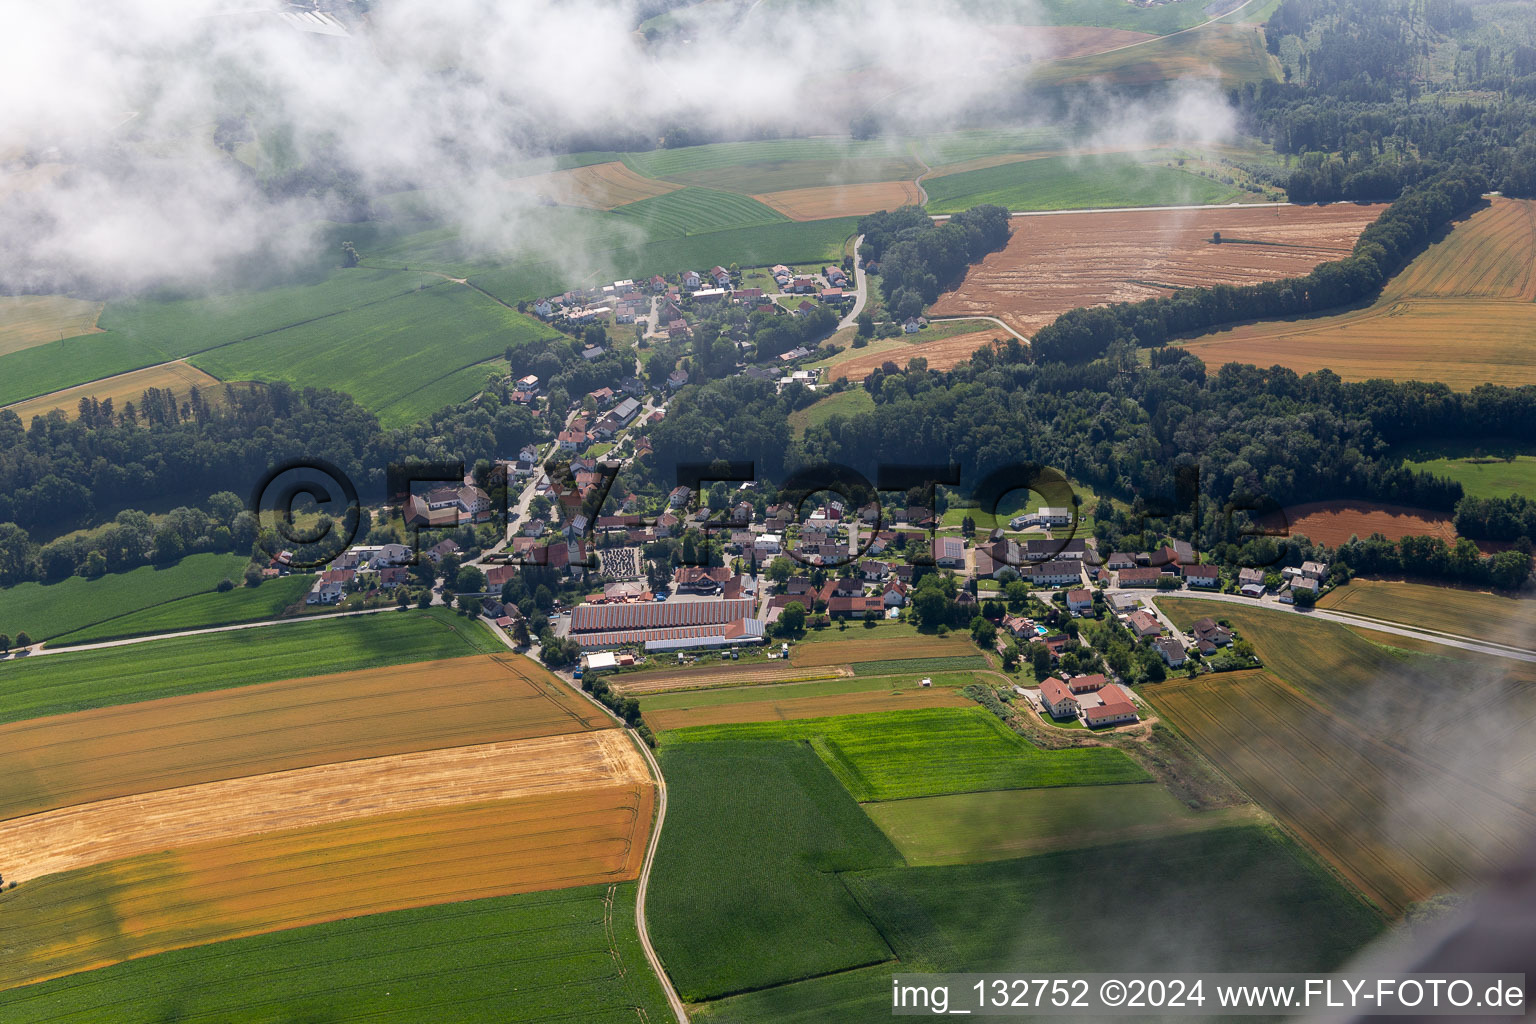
860 287
992 319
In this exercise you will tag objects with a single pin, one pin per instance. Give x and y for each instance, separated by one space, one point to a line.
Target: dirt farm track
1060 262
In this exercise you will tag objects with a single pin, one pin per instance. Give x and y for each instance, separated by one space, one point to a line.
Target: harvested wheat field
271 727
670 680
807 707
944 354
1458 343
85 834
842 652
178 377
842 200
596 186
28 320
1388 821
249 885
1057 262
1334 522
1461 313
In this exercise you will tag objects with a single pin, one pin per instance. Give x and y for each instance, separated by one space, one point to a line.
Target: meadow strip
807 707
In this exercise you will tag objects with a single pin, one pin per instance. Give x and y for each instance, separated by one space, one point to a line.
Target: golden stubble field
195 819
1058 262
1462 313
179 378
271 727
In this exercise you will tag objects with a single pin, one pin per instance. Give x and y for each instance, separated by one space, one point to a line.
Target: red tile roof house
1143 624
1140 577
857 605
1117 709
1058 699
1087 684
1079 600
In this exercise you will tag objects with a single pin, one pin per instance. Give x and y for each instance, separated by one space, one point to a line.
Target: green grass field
1061 183
1496 474
898 755
54 684
47 610
384 354
243 604
570 954
777 164
142 332
846 404
1228 899
744 893
698 211
969 828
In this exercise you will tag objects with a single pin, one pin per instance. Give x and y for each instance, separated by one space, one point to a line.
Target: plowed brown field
205 737
806 707
1059 262
843 652
944 354
842 200
1334 522
249 885
596 186
75 837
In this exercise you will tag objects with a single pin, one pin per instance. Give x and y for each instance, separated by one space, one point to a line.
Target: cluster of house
617 414
1309 576
377 565
1175 562
627 301
1091 698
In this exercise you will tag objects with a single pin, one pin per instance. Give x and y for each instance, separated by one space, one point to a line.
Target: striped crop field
872 649
1475 285
197 738
698 211
217 890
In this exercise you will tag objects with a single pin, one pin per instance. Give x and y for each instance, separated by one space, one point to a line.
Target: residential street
860 287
